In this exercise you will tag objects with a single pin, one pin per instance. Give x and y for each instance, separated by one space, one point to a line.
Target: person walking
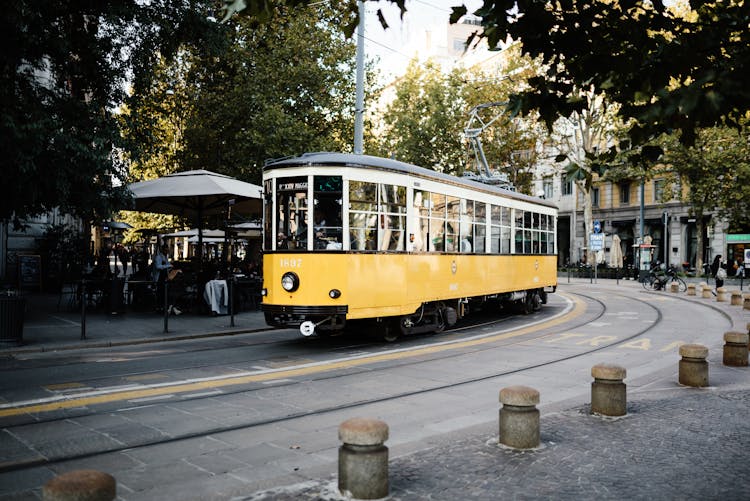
718 271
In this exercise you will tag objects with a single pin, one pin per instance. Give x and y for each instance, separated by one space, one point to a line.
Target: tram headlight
290 281
334 293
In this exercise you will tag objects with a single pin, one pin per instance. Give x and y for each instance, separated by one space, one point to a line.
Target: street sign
596 241
597 226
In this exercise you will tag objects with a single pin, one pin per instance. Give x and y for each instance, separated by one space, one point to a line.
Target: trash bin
11 319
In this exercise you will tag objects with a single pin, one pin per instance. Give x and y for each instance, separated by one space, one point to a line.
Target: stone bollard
721 295
608 396
691 289
736 299
735 348
363 459
674 287
80 485
706 291
746 302
519 417
693 368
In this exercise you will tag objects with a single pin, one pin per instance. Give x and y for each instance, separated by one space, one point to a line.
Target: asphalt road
257 414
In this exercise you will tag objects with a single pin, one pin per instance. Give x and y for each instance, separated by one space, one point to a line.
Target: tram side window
363 215
451 227
466 223
519 227
291 222
421 216
327 204
437 222
499 229
480 228
392 235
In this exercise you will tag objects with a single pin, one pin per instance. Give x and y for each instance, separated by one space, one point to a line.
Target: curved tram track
444 350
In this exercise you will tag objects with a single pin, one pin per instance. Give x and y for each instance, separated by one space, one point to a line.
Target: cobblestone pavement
692 444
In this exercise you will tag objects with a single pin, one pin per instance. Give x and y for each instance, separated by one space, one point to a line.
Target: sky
396 45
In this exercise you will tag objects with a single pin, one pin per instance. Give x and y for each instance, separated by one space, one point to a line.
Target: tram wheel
390 331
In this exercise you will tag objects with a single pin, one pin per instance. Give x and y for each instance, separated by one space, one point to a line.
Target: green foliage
62 71
424 124
668 72
717 171
267 90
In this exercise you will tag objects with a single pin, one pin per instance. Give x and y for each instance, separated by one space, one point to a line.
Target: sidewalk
49 328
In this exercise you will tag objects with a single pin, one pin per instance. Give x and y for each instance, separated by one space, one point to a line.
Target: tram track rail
52 460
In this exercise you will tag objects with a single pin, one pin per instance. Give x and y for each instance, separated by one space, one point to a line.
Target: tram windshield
328 229
292 219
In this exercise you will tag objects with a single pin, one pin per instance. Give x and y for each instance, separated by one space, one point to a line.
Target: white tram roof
326 159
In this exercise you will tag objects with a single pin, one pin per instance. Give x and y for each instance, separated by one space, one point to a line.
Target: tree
424 123
667 71
272 90
61 75
680 68
585 140
716 170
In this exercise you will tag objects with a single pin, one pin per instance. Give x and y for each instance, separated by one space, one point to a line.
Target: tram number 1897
290 263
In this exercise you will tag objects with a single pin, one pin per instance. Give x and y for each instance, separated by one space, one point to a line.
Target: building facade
637 212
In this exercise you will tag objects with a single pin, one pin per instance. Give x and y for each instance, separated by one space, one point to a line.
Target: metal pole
360 84
641 229
666 228
166 307
230 284
83 309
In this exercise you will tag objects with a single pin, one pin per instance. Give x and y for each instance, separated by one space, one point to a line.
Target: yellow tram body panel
381 285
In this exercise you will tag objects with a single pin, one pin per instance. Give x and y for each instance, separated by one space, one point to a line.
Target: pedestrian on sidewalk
718 271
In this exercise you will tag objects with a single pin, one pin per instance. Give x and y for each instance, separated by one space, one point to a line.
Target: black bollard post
83 309
166 307
230 284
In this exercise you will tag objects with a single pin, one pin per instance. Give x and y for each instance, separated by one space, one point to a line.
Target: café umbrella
196 194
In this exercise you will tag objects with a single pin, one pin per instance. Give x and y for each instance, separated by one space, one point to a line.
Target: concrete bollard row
736 298
608 392
363 459
691 289
693 367
80 485
519 417
735 349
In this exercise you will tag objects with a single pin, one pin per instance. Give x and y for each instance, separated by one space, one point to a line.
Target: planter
11 319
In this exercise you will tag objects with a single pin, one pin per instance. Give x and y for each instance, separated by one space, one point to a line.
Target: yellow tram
356 237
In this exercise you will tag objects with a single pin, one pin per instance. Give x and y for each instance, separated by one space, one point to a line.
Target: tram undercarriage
430 317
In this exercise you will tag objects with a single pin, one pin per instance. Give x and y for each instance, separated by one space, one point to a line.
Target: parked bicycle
657 280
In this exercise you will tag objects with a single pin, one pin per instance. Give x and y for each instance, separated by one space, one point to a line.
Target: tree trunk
699 243
588 223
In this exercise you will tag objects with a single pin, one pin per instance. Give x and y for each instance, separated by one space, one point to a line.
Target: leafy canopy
668 71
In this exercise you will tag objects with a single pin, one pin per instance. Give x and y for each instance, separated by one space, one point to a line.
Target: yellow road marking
62 386
72 401
145 377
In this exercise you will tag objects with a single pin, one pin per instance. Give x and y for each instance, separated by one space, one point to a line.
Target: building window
658 190
567 185
595 197
625 193
548 188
